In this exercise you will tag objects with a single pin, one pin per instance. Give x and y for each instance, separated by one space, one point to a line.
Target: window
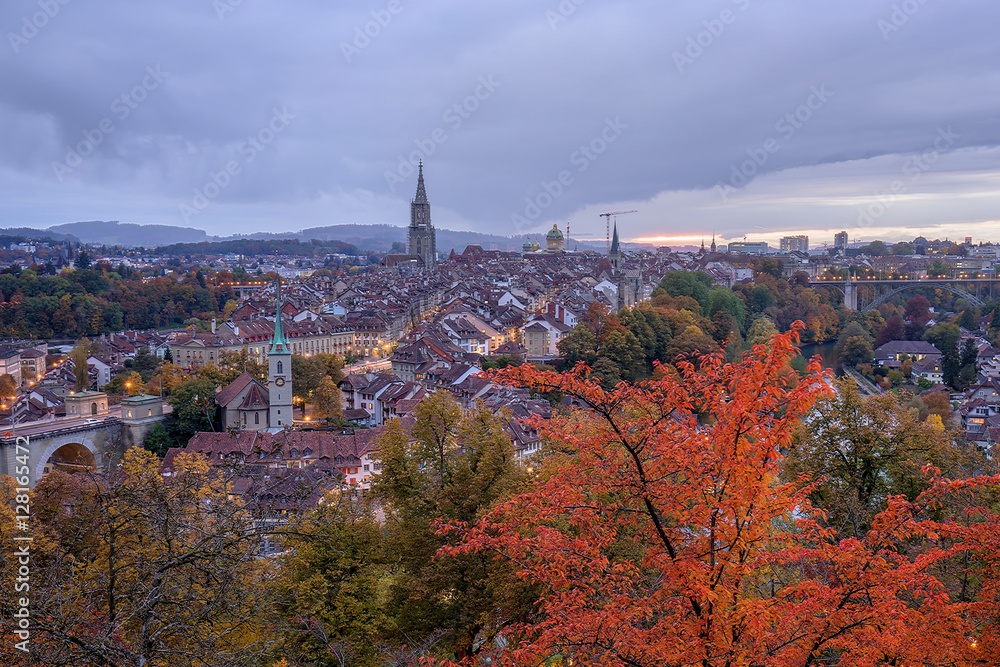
93 408
294 453
256 418
279 368
149 413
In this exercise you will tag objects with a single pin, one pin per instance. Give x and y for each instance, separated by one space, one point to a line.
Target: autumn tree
128 383
326 400
328 591
8 387
864 449
81 370
139 569
470 598
235 363
667 538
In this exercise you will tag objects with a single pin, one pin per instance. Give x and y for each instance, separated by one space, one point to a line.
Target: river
826 353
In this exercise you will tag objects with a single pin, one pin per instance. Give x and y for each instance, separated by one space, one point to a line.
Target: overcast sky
738 117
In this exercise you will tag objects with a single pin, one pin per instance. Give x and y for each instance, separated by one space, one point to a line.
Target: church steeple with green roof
278 341
279 373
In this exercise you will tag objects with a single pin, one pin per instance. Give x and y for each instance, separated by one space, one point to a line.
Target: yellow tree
326 400
142 569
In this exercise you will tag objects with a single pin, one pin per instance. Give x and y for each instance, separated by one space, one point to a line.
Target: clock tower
279 373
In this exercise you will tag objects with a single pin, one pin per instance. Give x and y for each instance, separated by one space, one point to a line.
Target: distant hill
129 234
378 238
29 234
256 247
381 237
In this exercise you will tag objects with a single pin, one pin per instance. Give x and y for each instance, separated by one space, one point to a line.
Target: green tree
193 402
157 440
580 344
722 299
471 598
81 370
761 298
695 284
861 450
856 350
306 375
939 269
944 336
330 590
438 417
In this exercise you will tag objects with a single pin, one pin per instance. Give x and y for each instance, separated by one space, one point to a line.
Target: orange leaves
666 537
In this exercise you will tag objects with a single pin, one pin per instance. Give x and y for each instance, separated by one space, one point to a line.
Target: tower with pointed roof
615 254
420 240
279 373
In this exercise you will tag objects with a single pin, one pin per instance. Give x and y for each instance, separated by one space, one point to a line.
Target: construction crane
607 225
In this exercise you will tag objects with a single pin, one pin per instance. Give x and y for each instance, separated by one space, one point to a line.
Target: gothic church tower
279 374
421 234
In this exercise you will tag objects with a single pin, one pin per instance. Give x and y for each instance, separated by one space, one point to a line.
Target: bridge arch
69 452
957 291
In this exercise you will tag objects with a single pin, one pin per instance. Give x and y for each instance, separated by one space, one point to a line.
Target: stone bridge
77 444
869 294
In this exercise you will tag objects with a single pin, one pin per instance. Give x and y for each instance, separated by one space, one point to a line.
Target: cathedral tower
421 234
279 373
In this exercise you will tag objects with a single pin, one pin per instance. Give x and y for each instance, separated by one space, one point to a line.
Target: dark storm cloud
500 100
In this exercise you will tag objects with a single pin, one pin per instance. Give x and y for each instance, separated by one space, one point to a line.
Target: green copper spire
278 342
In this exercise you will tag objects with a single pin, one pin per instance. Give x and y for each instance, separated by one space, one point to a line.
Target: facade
87 404
421 233
799 243
840 240
279 374
892 354
749 247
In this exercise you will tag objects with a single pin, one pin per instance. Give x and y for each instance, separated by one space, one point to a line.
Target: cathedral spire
278 342
614 239
421 197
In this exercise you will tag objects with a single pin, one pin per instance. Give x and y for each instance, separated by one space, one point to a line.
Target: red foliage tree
662 536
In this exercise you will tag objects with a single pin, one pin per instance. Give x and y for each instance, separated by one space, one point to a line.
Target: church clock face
280 382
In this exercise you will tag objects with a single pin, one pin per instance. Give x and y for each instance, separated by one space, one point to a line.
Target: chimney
213 325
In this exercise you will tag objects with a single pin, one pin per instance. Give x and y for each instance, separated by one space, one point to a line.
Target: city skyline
875 118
